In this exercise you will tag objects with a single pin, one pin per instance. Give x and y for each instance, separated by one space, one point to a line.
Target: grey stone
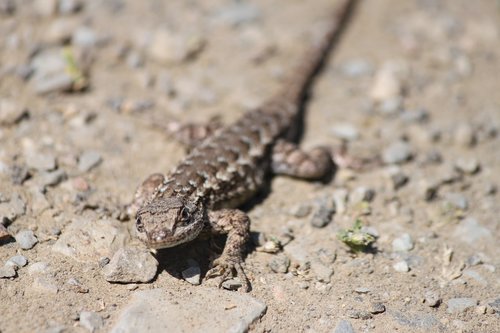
87 240
7 271
391 106
77 286
324 213
467 165
397 177
464 135
192 274
11 210
45 284
343 326
359 314
301 210
84 37
91 321
362 290
168 47
340 200
54 83
415 116
39 202
457 200
377 307
432 298
69 6
52 178
397 152
401 266
457 305
131 265
279 264
356 68
60 30
403 243
322 272
40 267
161 310
471 232
26 239
415 320
346 132
40 161
237 13
17 261
470 273
11 112
360 194
89 160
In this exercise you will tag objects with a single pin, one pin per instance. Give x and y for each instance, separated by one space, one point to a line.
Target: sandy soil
413 82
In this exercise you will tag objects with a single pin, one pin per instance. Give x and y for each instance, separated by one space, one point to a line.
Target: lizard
228 167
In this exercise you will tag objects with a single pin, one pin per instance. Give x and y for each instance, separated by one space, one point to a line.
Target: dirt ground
415 83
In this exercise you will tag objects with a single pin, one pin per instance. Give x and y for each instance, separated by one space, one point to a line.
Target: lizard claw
227 268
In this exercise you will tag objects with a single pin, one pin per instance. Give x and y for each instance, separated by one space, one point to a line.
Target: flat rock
471 232
131 265
7 271
397 152
12 209
91 320
343 327
161 310
89 160
17 261
415 320
456 305
26 239
88 240
10 112
404 243
40 161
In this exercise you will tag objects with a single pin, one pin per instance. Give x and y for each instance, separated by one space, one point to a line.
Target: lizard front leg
236 224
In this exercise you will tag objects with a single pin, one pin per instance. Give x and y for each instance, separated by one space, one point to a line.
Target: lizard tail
299 80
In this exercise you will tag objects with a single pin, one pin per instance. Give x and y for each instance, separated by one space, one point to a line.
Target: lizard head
167 222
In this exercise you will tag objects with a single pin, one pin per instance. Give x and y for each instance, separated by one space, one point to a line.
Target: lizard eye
185 215
138 225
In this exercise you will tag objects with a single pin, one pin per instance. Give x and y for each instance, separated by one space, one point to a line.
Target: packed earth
405 240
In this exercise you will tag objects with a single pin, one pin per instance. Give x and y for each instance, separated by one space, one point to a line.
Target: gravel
323 213
401 266
403 243
89 160
26 239
432 299
457 305
130 265
397 152
17 261
7 271
91 321
279 263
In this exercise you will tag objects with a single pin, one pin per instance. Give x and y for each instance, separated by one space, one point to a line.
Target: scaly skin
231 165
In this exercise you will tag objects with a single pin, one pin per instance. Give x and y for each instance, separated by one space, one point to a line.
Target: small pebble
344 327
7 7
89 160
84 37
346 132
457 200
45 7
4 233
11 113
7 271
237 13
415 116
91 321
401 266
322 272
340 200
38 268
17 261
26 239
45 285
404 243
457 305
77 286
464 135
362 290
192 274
131 265
324 213
467 165
279 264
360 314
432 299
377 307
387 83
52 178
232 284
301 210
397 177
67 7
397 152
356 68
361 194
391 106
40 161
474 260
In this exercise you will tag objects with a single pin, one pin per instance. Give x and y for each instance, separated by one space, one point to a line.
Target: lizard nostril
139 225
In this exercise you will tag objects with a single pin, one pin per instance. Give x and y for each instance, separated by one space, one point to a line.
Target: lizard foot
227 268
